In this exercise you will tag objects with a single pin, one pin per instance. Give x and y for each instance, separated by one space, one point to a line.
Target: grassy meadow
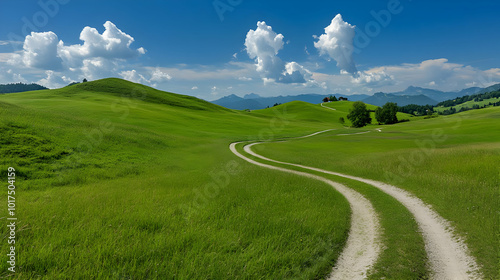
450 162
116 180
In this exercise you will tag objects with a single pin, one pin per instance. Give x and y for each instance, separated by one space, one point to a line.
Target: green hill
119 180
122 88
146 186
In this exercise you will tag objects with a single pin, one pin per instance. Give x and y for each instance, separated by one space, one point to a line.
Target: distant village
333 98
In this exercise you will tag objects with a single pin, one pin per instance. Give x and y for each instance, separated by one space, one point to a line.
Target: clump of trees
416 110
359 115
331 98
387 113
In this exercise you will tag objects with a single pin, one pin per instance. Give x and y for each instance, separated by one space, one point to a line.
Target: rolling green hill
117 180
116 184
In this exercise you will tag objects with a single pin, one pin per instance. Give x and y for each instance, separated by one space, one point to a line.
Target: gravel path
448 255
328 107
363 247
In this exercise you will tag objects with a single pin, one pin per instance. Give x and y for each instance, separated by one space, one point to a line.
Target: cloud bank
47 60
99 56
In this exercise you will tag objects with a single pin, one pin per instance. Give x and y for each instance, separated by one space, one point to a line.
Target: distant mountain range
254 101
411 95
380 98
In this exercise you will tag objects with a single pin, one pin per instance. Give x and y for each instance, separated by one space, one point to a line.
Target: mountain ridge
411 95
254 101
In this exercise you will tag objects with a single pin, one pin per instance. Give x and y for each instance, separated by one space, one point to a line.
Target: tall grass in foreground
261 226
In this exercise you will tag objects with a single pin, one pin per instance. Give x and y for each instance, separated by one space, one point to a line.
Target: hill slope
144 181
140 184
122 88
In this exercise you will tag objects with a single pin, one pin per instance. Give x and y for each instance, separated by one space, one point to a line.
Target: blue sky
210 49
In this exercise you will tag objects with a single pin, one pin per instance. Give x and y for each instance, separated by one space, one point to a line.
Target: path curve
448 255
327 107
363 243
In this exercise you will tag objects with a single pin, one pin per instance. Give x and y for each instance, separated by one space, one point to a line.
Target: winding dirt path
448 255
363 247
327 107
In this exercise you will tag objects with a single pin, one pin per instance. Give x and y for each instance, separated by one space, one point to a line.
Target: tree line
419 110
475 97
20 87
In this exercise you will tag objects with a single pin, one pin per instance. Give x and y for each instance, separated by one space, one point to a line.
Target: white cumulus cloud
99 56
263 45
96 68
111 44
295 73
40 51
337 43
133 76
158 76
53 80
10 76
373 78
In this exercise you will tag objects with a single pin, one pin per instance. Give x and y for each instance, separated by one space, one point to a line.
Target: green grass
449 162
119 181
110 185
403 253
